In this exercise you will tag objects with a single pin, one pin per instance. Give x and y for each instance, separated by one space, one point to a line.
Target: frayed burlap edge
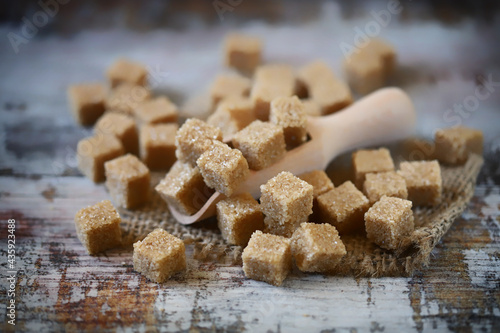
363 257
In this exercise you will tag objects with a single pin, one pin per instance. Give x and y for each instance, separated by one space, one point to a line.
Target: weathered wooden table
58 286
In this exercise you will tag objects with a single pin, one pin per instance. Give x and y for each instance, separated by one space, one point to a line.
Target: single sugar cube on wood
223 168
122 127
157 145
370 161
183 188
98 227
157 111
317 247
238 217
389 221
453 145
87 102
126 71
261 143
232 115
286 201
193 139
388 183
344 207
242 52
330 93
159 256
127 180
94 151
229 85
271 81
423 181
267 258
127 97
289 113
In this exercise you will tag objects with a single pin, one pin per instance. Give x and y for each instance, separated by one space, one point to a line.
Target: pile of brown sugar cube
260 112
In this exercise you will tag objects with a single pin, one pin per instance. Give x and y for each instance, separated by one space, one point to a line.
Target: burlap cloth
363 257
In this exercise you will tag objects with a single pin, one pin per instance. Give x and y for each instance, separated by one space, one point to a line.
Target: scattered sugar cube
159 256
229 85
423 181
319 180
232 115
370 161
193 139
123 127
324 88
223 168
94 151
317 247
158 145
238 217
267 258
261 143
453 145
311 107
184 189
87 102
156 111
289 113
127 180
388 221
242 52
286 201
388 183
98 227
126 71
127 97
344 207
271 81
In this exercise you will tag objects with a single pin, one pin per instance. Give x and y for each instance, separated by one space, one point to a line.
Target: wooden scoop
380 117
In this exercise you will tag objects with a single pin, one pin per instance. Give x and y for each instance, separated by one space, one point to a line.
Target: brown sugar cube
271 81
423 181
238 217
98 227
261 143
232 115
193 139
311 107
242 52
370 161
127 97
159 256
126 71
157 111
286 201
319 180
324 88
289 113
453 145
317 247
158 145
223 168
267 258
229 85
122 127
370 67
94 151
344 207
183 188
127 180
388 183
388 221
87 102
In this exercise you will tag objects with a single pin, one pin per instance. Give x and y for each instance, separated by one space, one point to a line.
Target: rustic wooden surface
59 287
